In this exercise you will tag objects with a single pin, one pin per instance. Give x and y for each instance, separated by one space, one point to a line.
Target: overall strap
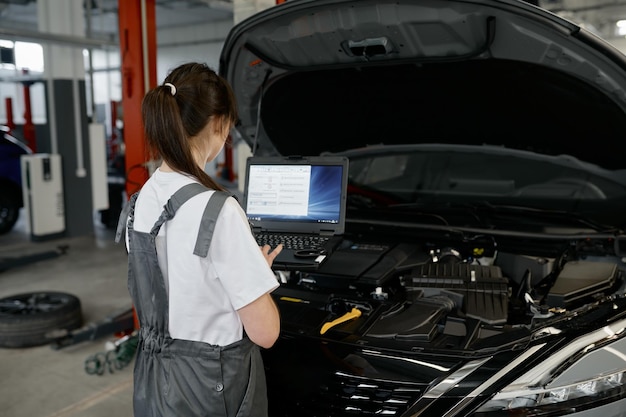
207 224
169 209
176 200
127 211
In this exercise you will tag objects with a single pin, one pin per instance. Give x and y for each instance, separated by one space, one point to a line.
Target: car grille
346 395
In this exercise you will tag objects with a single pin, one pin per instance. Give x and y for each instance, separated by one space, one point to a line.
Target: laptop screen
299 195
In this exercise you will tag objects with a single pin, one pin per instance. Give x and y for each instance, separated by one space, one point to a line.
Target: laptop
300 200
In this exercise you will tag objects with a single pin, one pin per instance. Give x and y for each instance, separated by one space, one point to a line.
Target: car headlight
586 373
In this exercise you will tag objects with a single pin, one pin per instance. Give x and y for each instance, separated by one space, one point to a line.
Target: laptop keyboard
291 241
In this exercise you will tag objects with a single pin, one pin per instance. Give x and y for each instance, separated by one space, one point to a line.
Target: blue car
11 149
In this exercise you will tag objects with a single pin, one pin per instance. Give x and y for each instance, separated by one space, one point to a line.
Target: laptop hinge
255 229
327 233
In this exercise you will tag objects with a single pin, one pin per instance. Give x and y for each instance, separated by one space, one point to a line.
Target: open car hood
315 76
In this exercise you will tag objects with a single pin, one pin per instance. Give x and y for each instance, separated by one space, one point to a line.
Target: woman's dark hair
173 115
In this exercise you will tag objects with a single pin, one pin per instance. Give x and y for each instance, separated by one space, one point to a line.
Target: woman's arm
260 318
261 321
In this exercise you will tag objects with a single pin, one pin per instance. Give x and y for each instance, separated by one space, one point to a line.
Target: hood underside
320 76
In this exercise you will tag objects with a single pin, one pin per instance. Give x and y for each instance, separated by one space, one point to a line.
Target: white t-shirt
204 293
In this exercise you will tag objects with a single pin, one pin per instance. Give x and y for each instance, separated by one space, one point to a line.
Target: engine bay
431 296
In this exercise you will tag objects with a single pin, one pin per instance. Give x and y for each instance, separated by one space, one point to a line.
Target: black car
11 150
482 265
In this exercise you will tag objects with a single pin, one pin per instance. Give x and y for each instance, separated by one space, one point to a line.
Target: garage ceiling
20 16
600 16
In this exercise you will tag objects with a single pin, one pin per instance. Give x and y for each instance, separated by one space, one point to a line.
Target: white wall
200 43
619 43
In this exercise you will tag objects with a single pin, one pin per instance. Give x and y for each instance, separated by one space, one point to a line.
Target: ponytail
179 109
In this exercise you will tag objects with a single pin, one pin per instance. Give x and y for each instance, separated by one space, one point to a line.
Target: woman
203 296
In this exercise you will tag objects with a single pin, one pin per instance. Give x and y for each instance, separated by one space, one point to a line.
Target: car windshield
403 176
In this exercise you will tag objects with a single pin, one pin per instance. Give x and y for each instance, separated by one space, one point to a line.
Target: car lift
119 324
12 262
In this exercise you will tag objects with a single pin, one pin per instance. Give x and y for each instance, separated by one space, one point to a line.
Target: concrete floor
45 382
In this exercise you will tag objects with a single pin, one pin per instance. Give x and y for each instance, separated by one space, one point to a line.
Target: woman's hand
269 254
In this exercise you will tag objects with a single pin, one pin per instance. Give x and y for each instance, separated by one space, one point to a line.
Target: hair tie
172 88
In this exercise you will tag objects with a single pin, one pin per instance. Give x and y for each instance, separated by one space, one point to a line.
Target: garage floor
46 382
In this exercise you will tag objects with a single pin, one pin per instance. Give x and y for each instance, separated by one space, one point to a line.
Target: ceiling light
621 27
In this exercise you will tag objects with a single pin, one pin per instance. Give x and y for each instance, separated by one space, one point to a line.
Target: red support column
228 161
9 109
138 52
113 147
